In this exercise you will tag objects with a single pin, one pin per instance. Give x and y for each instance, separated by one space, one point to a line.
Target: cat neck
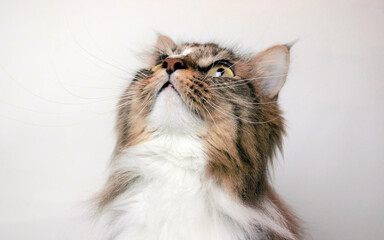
185 152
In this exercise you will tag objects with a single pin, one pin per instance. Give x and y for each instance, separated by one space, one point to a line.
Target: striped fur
212 135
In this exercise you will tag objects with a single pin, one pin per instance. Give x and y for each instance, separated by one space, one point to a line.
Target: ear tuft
164 44
271 68
290 44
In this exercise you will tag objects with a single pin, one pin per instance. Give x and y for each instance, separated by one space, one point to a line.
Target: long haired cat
196 133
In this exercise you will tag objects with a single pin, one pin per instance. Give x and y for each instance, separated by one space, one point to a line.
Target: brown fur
244 122
293 223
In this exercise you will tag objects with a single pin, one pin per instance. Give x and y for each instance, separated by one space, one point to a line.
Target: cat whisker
142 75
241 82
245 102
131 93
142 109
126 103
91 54
231 115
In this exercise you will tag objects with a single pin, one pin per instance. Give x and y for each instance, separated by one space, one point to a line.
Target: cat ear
271 68
164 44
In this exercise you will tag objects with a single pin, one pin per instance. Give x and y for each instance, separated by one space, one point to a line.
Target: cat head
227 100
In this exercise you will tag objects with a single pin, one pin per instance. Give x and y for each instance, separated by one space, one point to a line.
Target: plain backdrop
64 63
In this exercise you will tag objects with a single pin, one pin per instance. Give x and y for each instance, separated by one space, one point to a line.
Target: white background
63 65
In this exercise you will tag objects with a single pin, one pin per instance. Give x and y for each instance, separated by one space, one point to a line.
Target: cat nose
172 64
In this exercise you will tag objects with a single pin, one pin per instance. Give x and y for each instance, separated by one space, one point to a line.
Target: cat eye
161 59
156 67
220 71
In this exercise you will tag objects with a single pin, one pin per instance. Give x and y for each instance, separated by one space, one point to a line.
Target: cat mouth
168 85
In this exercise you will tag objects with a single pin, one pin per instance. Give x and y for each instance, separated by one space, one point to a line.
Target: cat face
226 100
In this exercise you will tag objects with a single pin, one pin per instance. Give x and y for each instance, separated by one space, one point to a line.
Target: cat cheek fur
191 161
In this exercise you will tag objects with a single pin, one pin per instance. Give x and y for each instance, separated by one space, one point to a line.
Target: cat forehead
203 54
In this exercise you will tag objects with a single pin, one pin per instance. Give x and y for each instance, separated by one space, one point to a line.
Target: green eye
220 71
156 67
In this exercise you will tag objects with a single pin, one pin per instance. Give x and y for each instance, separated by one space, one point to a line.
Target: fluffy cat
196 133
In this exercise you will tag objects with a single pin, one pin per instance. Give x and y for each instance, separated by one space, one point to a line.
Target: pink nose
172 64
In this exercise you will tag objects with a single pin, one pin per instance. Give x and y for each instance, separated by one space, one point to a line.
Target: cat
197 131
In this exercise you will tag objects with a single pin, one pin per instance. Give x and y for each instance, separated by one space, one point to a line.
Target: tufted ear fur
164 44
271 68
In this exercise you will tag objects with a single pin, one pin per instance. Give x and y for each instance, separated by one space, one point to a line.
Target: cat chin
170 114
168 98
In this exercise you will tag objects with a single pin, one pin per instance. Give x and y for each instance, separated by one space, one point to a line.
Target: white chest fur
170 199
173 200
